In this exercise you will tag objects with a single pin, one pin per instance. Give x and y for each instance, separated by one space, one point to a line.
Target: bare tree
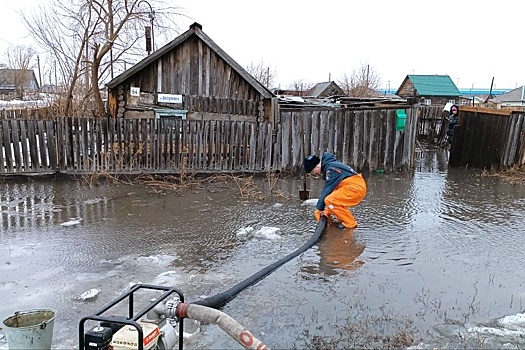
363 82
300 86
20 59
263 73
85 37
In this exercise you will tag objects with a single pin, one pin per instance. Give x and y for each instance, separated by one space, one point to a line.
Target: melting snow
90 294
244 230
268 232
311 201
71 222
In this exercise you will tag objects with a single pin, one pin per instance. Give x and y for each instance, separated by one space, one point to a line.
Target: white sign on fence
135 91
169 98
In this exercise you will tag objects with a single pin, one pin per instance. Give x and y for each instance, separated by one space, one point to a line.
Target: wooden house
191 78
17 82
325 89
430 90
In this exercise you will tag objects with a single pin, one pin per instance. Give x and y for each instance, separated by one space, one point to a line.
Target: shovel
304 194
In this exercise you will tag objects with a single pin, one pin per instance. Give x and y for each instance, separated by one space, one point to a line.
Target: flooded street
438 253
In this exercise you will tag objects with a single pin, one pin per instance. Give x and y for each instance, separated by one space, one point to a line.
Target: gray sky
471 41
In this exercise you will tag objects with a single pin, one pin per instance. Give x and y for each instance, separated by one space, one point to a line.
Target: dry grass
513 175
362 329
248 187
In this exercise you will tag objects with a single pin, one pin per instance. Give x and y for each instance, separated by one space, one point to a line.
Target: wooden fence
366 139
25 113
488 139
430 121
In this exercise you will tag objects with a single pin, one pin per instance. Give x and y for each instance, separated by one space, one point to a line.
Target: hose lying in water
219 300
226 323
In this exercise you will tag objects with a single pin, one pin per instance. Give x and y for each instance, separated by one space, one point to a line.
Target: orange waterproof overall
349 193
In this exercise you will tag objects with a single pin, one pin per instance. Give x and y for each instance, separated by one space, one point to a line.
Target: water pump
152 328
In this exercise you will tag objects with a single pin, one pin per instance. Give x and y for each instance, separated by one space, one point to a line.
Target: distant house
430 90
190 78
513 98
17 82
326 89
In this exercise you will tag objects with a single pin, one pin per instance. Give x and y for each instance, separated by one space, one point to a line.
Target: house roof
433 85
8 78
320 88
195 29
516 95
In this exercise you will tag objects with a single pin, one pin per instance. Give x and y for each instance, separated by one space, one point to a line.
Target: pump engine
148 329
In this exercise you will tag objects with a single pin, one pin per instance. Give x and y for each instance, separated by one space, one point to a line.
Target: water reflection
34 205
339 251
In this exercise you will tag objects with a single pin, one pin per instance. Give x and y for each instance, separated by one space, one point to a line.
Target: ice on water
268 232
310 202
244 230
90 294
72 222
511 326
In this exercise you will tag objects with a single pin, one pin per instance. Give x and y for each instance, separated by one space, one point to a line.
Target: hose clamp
171 312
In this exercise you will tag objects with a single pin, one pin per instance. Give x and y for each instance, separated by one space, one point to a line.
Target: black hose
219 300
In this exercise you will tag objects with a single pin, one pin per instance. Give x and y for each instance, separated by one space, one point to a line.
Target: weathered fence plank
339 141
15 135
259 153
253 145
3 168
25 147
286 140
297 138
9 158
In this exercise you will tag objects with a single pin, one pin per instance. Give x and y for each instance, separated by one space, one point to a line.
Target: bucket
30 329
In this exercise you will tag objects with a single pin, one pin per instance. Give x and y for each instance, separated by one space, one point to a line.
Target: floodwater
438 254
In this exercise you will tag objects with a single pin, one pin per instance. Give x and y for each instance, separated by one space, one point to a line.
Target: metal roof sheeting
434 85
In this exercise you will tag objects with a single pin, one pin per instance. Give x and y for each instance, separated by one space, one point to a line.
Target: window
428 102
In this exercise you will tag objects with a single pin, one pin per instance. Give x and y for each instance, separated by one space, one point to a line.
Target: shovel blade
304 195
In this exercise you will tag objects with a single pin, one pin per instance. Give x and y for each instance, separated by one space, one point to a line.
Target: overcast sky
471 41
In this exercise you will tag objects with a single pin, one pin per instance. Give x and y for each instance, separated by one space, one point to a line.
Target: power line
5 41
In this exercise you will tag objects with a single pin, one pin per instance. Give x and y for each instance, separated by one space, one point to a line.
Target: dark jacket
452 121
333 172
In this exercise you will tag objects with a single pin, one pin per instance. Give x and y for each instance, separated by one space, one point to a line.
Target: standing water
437 259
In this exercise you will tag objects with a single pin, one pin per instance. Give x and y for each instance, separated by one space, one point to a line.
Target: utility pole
56 78
39 72
111 60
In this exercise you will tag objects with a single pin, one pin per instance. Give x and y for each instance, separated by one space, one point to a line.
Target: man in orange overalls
343 188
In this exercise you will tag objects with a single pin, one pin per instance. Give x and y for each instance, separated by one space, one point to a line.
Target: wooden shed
190 78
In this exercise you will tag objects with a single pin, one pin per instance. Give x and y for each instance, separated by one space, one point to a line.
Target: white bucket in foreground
30 329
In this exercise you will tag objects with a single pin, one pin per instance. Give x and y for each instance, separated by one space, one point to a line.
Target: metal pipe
152 17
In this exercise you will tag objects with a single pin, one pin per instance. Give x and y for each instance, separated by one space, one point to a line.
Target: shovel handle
304 183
